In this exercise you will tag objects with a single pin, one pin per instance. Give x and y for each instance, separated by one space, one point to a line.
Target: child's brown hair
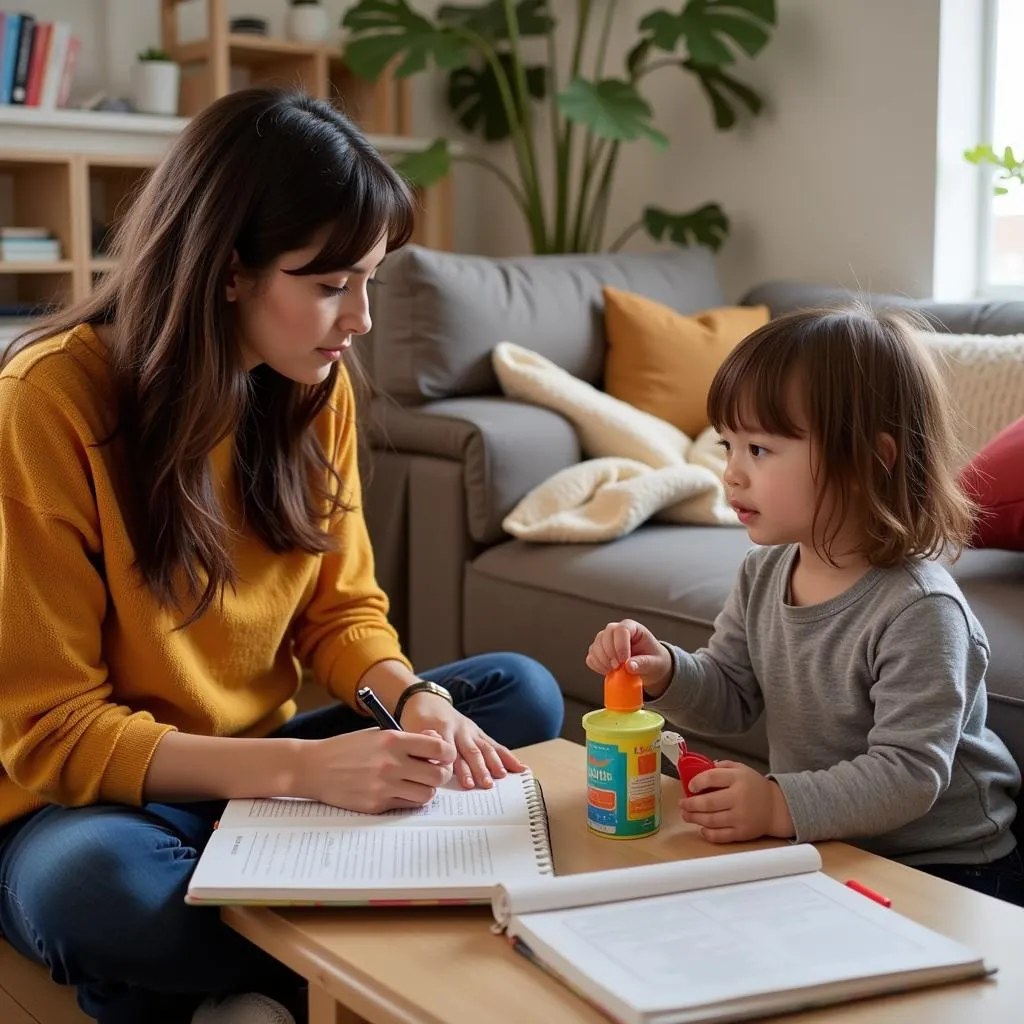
861 374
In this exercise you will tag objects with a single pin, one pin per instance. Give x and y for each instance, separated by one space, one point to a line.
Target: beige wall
834 184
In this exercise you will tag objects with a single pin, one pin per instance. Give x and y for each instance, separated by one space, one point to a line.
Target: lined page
503 804
737 942
365 863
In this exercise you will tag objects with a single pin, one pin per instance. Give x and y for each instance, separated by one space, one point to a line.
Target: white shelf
151 125
95 120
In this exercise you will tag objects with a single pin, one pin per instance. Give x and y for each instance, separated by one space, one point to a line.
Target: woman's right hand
631 644
374 770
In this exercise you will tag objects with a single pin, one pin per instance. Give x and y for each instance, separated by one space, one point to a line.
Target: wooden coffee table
444 966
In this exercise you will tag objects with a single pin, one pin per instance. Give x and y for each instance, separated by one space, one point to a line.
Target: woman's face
300 325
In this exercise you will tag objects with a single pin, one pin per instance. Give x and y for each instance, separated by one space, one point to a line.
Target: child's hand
745 805
629 643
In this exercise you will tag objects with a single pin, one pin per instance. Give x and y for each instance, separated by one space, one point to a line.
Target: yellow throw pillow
663 362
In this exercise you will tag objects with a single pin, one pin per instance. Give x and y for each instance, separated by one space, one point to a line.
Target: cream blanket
639 466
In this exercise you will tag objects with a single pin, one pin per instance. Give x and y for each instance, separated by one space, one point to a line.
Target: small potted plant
307 21
155 81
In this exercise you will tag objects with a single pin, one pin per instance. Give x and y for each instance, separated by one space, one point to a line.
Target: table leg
325 1009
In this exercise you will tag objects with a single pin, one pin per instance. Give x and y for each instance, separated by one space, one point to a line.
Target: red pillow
994 478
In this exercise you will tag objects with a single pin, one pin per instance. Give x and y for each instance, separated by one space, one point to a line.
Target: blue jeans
1003 878
96 893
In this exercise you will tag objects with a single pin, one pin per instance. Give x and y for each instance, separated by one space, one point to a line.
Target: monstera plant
495 88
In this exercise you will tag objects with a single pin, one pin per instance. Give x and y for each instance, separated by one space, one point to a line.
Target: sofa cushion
995 480
549 601
443 313
663 362
984 374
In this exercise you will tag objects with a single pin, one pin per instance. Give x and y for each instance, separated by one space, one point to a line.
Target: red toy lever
690 765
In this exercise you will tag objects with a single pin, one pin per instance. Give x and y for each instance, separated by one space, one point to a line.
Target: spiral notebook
455 849
733 937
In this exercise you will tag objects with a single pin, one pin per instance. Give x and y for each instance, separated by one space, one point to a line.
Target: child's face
770 482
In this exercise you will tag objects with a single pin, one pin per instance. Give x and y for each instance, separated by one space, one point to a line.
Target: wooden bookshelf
209 64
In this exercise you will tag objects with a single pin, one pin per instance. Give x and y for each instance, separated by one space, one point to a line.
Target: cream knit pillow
985 377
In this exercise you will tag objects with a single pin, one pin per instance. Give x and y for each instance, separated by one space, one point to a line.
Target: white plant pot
155 86
307 23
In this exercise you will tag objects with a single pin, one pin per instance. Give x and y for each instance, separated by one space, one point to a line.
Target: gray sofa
451 457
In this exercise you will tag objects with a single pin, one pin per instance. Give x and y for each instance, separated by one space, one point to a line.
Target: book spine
23 59
37 65
74 43
57 58
12 32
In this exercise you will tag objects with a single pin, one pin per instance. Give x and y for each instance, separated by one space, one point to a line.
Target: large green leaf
428 166
381 30
488 19
709 26
475 99
611 109
707 225
718 86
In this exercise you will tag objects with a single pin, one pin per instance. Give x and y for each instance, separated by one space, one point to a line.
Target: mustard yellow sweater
92 672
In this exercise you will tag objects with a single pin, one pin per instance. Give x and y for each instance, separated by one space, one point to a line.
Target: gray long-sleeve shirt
875 707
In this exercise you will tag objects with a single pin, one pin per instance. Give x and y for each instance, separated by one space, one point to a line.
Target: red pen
870 893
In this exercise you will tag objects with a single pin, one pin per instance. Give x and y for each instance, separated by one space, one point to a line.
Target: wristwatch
422 686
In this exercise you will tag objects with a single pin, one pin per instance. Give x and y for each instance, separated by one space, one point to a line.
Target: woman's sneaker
248 1008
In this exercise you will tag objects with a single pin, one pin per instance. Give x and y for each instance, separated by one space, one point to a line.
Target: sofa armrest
507 448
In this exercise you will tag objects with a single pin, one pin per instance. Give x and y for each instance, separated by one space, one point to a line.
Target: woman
180 529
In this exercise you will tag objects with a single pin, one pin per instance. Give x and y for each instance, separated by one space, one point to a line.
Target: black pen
372 703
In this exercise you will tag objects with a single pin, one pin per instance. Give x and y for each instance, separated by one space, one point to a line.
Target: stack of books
28 245
37 61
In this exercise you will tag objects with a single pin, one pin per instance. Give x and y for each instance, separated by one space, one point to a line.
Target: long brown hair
859 374
258 173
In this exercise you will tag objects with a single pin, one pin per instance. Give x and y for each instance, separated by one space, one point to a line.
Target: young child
842 627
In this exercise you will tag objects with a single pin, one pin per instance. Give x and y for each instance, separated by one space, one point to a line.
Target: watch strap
422 686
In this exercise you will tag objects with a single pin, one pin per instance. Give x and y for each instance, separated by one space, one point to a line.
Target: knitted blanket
639 466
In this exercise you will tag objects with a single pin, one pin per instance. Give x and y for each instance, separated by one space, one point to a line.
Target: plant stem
583 12
602 46
527 169
512 23
603 198
625 236
558 149
479 161
583 18
591 159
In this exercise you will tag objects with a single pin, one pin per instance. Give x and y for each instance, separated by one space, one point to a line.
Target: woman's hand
631 644
373 770
744 805
479 759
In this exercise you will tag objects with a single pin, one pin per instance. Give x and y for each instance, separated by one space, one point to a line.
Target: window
1002 262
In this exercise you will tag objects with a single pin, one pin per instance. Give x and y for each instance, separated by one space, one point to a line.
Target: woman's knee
97 885
535 695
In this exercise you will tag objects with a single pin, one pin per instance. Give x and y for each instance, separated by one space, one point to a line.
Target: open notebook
455 849
723 938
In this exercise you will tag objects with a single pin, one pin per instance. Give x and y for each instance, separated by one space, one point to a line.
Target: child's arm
716 687
928 668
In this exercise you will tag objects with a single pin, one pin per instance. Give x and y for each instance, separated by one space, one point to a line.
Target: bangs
385 208
753 389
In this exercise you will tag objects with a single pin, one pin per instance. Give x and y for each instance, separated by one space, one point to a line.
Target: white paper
360 861
618 884
742 941
504 804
